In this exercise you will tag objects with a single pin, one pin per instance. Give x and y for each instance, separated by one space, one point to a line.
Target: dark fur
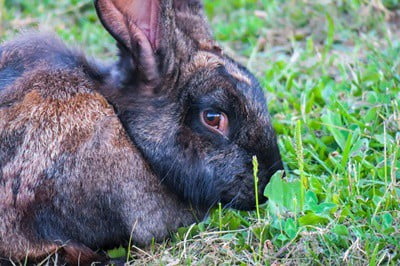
91 155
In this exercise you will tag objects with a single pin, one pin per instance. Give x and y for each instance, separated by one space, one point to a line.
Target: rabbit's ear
131 22
135 24
192 22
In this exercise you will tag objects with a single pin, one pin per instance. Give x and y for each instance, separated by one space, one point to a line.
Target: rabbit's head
196 115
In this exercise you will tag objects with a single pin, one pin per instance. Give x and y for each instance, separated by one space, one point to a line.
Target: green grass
331 71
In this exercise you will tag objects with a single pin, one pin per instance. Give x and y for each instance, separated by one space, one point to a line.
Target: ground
331 71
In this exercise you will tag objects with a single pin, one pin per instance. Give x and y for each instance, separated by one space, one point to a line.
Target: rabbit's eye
212 118
216 121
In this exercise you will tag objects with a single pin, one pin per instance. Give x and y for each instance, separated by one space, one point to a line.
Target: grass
331 71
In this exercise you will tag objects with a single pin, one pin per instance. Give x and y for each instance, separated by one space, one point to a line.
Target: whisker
169 170
211 206
230 203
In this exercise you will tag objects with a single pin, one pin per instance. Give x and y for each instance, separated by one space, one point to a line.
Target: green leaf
341 230
311 201
376 200
290 228
387 220
285 195
282 237
381 138
359 147
312 219
228 237
325 207
334 124
315 184
117 253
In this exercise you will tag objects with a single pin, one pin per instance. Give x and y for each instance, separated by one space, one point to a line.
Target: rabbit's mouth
245 204
244 197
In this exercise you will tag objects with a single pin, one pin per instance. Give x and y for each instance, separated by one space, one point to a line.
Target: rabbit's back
48 101
47 107
50 116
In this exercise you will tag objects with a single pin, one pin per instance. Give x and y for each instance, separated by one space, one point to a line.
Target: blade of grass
255 175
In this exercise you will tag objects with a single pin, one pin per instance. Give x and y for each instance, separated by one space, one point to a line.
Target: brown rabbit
92 155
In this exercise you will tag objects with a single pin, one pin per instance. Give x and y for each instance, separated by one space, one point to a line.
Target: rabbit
95 155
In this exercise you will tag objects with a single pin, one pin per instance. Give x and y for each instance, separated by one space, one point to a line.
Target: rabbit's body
93 155
69 172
